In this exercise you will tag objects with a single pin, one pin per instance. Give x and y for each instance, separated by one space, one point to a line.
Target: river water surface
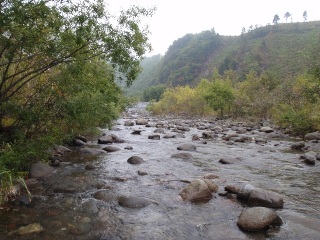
75 203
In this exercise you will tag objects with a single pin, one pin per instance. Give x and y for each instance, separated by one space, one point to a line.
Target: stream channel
76 203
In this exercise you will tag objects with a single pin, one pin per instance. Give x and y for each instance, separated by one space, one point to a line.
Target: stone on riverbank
258 218
133 202
187 147
135 160
183 155
197 190
111 149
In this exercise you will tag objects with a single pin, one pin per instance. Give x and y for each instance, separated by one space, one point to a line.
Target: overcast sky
175 18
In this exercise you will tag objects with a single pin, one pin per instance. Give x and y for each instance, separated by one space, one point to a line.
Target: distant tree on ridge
276 19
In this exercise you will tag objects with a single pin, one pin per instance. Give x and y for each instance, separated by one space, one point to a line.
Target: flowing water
75 203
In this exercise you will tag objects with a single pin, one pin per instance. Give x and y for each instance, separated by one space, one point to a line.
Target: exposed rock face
39 169
135 160
133 202
197 190
258 218
187 147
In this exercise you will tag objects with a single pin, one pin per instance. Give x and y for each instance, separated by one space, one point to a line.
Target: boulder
39 169
90 166
133 202
187 147
266 129
228 136
78 142
135 160
227 160
265 198
258 218
107 139
141 121
167 136
136 131
197 190
91 151
154 137
312 136
232 189
211 185
111 149
298 146
183 155
128 123
159 130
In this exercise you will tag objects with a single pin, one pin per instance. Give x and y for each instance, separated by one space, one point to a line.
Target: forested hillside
285 50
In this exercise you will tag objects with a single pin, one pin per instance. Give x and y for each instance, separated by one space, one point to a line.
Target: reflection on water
86 214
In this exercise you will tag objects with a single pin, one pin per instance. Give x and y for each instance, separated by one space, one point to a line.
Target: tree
305 16
276 19
286 16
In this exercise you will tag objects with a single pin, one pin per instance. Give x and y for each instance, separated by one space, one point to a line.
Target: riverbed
77 203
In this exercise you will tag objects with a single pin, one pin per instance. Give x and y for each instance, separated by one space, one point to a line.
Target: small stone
133 202
135 160
90 166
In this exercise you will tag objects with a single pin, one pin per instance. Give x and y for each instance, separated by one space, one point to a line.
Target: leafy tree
305 16
276 19
153 93
219 94
286 16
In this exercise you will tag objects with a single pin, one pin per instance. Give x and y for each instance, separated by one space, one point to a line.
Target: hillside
285 50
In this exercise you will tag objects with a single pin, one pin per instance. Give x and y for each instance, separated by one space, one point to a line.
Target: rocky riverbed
161 178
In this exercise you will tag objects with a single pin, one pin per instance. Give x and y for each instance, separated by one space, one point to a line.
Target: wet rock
182 155
242 139
246 192
184 129
90 166
208 135
232 189
78 142
128 148
260 140
141 121
241 130
133 202
107 139
210 176
137 132
229 160
142 173
135 160
318 156
128 123
265 198
179 135
312 136
211 185
159 130
24 199
91 151
258 218
167 136
39 169
33 228
266 129
229 136
309 160
298 146
195 138
104 196
111 149
154 137
187 147
197 190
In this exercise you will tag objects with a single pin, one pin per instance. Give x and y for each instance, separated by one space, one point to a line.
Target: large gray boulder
312 136
39 169
141 121
135 160
265 198
258 218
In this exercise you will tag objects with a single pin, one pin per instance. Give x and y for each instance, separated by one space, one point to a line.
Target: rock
104 196
167 136
111 149
232 189
312 136
90 166
184 129
154 137
246 192
159 130
229 160
182 155
141 121
133 202
260 140
211 185
258 218
107 139
39 169
318 156
309 160
298 146
187 147
208 135
128 123
128 148
135 160
31 228
210 176
142 173
136 132
195 138
179 135
241 130
266 129
91 151
78 142
195 191
61 149
229 136
265 198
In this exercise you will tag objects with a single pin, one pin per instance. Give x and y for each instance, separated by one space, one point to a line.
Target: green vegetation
57 72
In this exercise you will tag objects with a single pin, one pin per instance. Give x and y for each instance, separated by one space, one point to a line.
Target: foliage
219 94
153 93
57 68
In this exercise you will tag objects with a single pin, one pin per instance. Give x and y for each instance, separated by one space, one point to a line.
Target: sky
175 18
